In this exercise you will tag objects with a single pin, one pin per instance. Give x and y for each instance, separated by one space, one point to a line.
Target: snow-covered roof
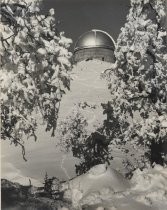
94 39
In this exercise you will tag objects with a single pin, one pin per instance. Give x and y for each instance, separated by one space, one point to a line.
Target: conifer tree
138 79
90 146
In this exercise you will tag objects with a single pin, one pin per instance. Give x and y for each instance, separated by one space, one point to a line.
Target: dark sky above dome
79 16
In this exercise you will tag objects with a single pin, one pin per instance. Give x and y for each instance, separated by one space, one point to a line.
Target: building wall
94 53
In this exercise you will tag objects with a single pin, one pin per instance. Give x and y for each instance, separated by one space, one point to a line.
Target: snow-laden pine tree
138 79
87 144
35 65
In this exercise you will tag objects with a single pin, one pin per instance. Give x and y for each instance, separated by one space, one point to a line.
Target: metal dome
95 39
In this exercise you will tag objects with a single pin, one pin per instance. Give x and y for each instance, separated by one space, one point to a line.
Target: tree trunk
156 149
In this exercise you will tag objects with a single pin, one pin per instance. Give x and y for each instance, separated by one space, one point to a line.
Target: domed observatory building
94 44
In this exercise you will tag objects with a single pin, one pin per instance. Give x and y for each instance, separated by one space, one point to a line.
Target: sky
76 17
79 16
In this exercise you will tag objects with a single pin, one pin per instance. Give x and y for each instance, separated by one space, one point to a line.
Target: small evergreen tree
48 184
138 79
51 186
90 147
94 151
35 65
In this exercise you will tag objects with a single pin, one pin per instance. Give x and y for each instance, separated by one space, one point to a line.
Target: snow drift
97 180
150 187
104 188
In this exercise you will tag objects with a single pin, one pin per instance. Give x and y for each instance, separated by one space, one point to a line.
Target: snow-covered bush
35 65
138 79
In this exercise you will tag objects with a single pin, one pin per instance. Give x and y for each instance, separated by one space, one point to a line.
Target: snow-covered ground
103 188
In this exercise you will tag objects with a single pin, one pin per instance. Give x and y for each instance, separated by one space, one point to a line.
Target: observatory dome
94 44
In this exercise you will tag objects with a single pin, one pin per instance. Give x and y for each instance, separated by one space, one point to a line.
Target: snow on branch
35 70
138 78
